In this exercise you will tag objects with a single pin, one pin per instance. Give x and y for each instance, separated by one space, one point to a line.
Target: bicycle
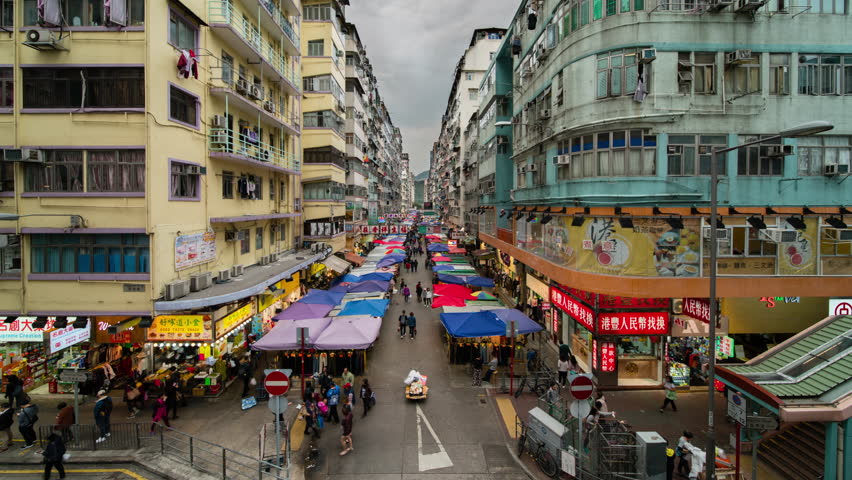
541 382
538 451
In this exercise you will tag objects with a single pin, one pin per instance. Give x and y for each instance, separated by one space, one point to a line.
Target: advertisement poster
181 328
65 337
231 320
799 257
21 330
194 249
557 245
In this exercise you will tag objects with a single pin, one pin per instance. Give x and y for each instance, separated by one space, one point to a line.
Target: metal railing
282 21
224 140
123 436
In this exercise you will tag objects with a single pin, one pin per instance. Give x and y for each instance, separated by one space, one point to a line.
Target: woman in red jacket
160 413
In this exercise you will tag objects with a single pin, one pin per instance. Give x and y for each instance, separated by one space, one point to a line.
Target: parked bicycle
537 382
537 449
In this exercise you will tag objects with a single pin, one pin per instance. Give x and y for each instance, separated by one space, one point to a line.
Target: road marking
130 474
507 413
430 461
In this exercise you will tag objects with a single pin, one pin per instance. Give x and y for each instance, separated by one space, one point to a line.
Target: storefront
689 345
283 294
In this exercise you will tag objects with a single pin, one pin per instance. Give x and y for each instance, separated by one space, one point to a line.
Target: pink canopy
441 258
447 301
456 250
283 335
350 332
451 290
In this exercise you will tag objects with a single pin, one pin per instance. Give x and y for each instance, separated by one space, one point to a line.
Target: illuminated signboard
634 323
575 309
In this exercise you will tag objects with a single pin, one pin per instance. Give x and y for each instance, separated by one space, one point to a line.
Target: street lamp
76 220
805 129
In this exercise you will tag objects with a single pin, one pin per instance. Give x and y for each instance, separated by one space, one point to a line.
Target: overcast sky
414 46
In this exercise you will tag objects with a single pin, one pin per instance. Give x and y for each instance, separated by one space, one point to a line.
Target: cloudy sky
414 46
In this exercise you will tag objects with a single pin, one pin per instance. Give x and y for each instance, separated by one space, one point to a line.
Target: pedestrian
419 290
600 398
160 413
366 396
132 397
103 409
563 366
308 394
428 297
14 390
324 382
64 419
403 321
492 368
552 395
683 453
27 419
671 394
333 399
477 370
699 458
245 374
406 292
412 325
54 455
347 377
6 420
346 435
309 413
172 397
414 264
348 394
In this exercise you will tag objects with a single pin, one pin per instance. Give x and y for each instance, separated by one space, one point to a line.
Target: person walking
683 453
308 394
403 321
6 420
133 398
406 292
346 434
428 297
414 264
419 290
366 396
54 455
27 419
563 366
412 325
477 370
160 413
324 381
671 394
347 377
64 419
14 390
103 409
309 413
333 400
246 375
492 368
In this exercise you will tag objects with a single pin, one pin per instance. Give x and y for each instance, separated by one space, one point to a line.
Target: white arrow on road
430 461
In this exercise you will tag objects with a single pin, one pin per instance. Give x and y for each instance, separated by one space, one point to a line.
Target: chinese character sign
724 347
65 337
594 354
21 330
634 323
181 328
697 308
575 309
607 357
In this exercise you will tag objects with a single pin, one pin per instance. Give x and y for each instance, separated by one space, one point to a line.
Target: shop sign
21 330
840 306
181 328
683 326
771 302
587 297
615 301
607 357
697 308
575 309
65 337
194 249
634 323
231 320
594 354
724 347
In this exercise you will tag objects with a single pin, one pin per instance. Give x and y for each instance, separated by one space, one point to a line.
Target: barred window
116 171
73 87
103 253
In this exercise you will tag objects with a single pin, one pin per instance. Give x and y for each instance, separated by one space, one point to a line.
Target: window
62 171
7 88
324 191
743 78
78 13
540 173
324 83
745 241
617 73
704 71
758 159
830 246
227 68
102 253
779 73
282 191
258 238
183 107
282 229
825 74
10 254
227 184
76 87
521 169
7 177
617 153
115 171
324 119
468 76
472 93
814 153
824 6
250 187
245 241
185 181
183 34
685 157
316 48
272 189
7 13
320 12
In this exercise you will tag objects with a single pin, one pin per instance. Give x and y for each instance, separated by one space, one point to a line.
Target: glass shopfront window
638 360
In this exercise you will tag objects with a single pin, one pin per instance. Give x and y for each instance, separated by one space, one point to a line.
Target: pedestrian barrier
122 436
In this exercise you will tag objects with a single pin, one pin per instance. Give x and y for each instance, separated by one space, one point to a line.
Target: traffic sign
276 383
581 387
277 405
580 409
73 376
737 407
302 335
761 423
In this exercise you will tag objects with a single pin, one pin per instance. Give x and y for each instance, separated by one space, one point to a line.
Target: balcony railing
242 146
222 12
282 21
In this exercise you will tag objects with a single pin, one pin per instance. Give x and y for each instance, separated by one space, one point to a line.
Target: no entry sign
581 387
276 383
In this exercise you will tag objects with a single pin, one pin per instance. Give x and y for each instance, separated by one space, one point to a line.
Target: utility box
544 428
651 461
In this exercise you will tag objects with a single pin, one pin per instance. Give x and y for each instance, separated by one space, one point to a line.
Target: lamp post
805 129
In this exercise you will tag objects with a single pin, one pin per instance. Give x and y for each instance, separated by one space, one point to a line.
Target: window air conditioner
745 6
780 150
269 106
41 39
237 270
195 170
200 281
832 169
235 236
13 155
545 113
677 306
563 159
177 289
223 276
219 121
717 5
839 234
648 55
543 51
242 86
532 168
264 260
721 233
256 92
738 56
779 235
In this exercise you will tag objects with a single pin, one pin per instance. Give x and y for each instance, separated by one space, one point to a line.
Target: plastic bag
412 376
253 382
66 457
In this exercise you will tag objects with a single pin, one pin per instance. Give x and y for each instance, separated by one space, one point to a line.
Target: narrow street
457 433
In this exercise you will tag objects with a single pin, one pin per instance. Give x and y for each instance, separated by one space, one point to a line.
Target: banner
230 321
181 328
799 257
65 337
194 249
575 309
21 330
634 323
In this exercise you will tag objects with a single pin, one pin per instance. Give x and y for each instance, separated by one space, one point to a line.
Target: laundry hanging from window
641 85
187 64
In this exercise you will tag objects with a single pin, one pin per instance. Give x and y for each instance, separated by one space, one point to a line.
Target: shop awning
375 308
487 323
283 335
336 264
301 311
351 332
369 286
317 268
354 259
479 282
451 279
438 247
322 297
457 291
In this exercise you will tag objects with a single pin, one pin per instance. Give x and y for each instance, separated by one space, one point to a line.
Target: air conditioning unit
42 39
28 155
264 260
721 233
237 270
269 106
563 159
255 92
273 257
243 86
543 51
779 235
219 121
544 113
746 6
832 169
223 276
738 56
200 281
13 155
195 170
522 169
780 150
839 234
235 236
717 5
177 289
532 168
648 55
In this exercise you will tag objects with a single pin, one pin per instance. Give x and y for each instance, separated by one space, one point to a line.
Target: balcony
275 22
228 145
236 97
249 43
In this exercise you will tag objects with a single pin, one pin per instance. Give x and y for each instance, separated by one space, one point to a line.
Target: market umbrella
482 296
523 323
441 258
439 268
395 249
383 276
300 311
322 297
369 286
437 247
341 287
283 335
373 307
479 282
433 237
457 291
457 251
349 333
443 277
447 301
390 260
351 278
473 324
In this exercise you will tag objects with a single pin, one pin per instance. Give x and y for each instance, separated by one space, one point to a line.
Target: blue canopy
440 268
487 323
479 282
369 286
351 278
322 297
438 247
374 308
452 279
523 323
340 288
389 260
381 276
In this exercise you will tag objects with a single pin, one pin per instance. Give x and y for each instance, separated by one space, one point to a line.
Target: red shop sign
575 309
697 308
634 323
614 301
607 357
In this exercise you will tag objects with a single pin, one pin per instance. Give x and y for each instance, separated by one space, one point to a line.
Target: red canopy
441 258
457 250
433 237
450 290
447 301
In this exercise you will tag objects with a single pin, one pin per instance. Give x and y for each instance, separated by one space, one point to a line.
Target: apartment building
151 153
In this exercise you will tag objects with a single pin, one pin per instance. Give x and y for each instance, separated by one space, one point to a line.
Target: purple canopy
351 332
389 260
283 335
301 311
